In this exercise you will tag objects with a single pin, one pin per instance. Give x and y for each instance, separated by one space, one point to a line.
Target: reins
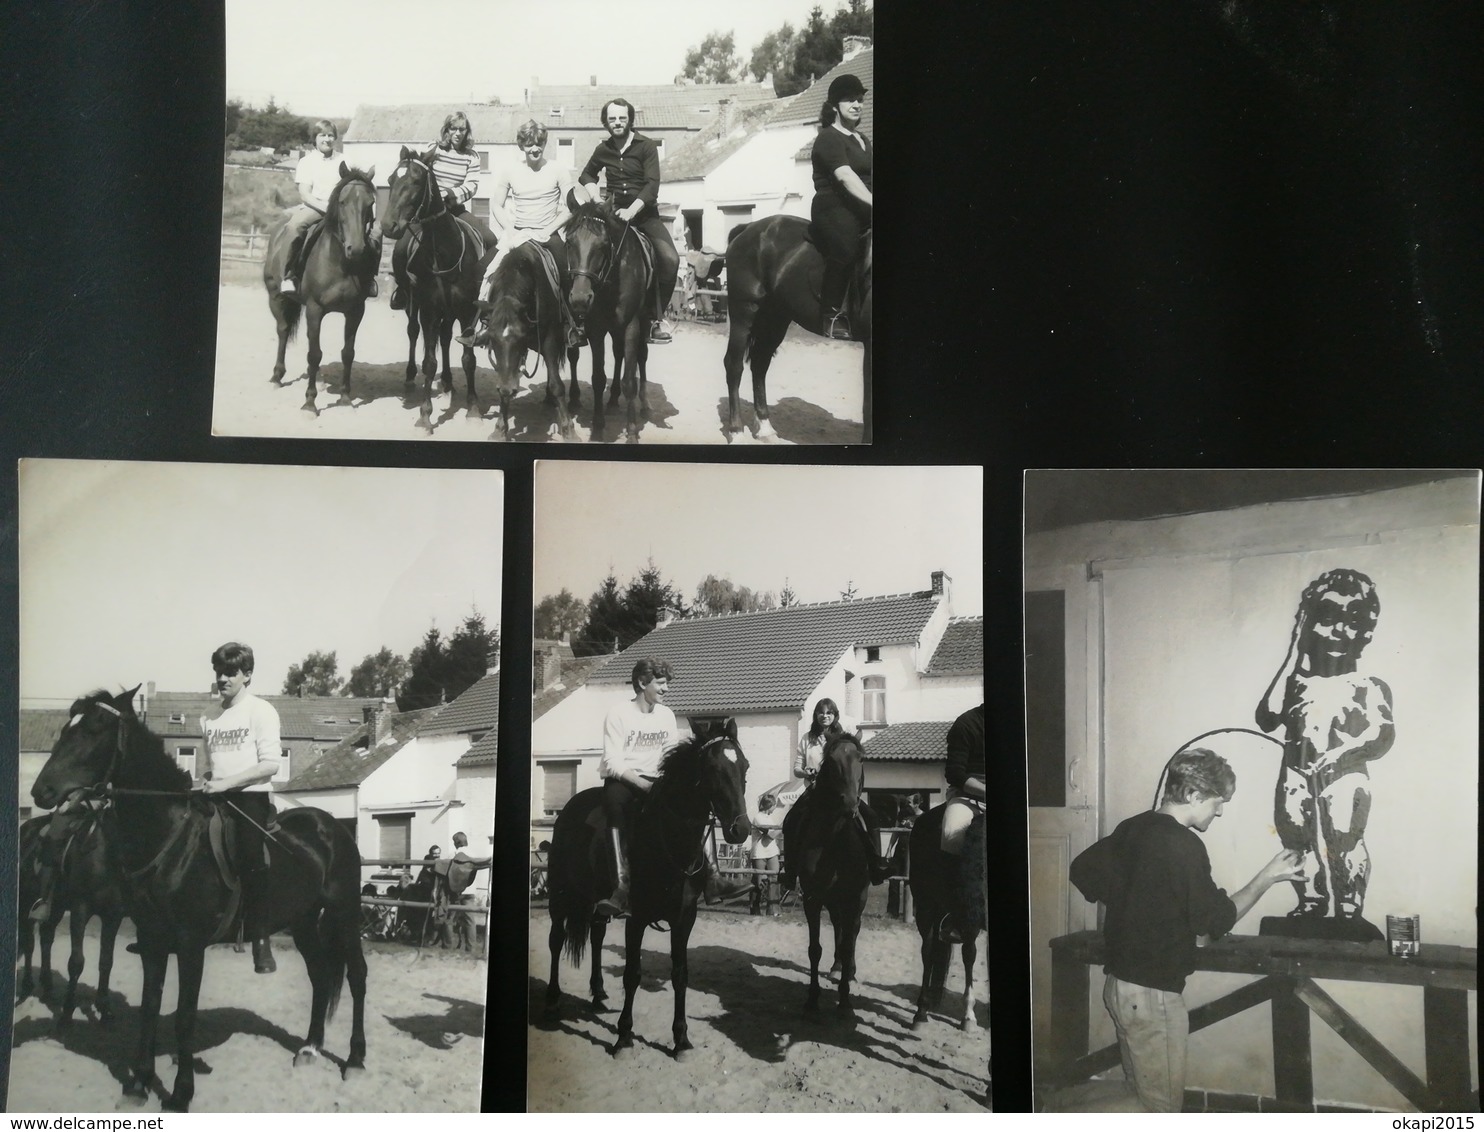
419 221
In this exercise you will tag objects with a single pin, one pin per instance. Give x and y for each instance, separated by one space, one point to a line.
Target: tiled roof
417 124
909 742
772 659
347 765
324 718
40 727
476 708
805 106
698 155
961 651
574 674
482 753
688 106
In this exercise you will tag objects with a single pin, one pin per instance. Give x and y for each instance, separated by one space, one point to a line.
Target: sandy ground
814 385
424 1037
756 1049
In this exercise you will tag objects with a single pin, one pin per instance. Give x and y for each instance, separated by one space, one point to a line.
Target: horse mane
332 210
524 268
684 760
144 750
599 210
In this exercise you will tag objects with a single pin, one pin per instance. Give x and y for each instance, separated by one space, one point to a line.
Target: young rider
316 176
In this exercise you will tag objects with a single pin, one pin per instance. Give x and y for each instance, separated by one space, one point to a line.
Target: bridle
660 801
430 207
597 223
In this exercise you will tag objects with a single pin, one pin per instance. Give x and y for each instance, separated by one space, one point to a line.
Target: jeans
1152 1028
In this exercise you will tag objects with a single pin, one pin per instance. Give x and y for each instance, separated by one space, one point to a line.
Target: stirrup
373 288
40 912
837 327
399 298
658 335
947 931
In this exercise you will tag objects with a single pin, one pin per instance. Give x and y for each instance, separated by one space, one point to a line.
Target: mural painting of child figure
1154 877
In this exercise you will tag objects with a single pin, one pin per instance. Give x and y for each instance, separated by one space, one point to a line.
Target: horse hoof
174 1105
683 1053
352 1070
623 1048
306 1056
344 401
765 431
970 1025
919 1020
425 427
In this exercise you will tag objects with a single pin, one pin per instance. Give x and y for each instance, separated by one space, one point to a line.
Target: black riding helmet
845 86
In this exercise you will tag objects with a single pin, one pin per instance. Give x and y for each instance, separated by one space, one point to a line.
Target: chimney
491 662
855 44
592 80
726 110
942 585
378 720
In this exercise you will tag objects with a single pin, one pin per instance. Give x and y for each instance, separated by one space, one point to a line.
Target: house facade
874 656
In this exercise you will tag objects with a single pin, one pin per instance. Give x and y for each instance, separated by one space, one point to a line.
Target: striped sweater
456 171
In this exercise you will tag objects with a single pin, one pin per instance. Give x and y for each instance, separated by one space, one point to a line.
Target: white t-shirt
317 176
240 737
635 740
535 198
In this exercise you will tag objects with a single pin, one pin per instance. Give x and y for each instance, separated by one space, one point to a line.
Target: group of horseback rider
534 198
242 739
639 732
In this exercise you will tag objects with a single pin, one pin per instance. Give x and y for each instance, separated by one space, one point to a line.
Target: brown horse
524 313
83 885
947 891
443 259
610 296
341 262
774 272
159 835
706 774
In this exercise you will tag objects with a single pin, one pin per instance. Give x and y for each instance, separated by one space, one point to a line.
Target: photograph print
757 790
1252 739
258 715
645 223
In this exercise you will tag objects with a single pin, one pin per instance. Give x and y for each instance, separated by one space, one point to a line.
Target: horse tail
575 923
292 309
334 959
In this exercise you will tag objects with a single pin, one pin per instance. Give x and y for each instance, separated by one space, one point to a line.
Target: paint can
1404 935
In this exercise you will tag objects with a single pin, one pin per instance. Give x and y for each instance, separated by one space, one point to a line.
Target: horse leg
618 356
430 331
285 329
348 351
106 937
142 1074
845 939
596 931
967 1022
445 340
767 335
321 973
929 946
355 975
811 913
553 360
315 315
412 332
554 940
190 962
25 941
473 410
574 398
633 340
633 940
77 922
680 980
738 334
47 932
600 379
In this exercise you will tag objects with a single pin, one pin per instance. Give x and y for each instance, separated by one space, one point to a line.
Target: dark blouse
833 149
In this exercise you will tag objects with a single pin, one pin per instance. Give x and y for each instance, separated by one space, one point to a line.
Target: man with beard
632 163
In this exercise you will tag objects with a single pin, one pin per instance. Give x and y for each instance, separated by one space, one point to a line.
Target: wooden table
1288 969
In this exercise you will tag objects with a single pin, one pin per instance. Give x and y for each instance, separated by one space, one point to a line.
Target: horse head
413 196
592 236
90 750
512 325
841 773
352 209
721 772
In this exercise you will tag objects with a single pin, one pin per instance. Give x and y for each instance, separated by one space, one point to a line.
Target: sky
325 57
131 572
883 530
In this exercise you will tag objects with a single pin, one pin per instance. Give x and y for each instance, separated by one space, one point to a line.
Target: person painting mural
1332 722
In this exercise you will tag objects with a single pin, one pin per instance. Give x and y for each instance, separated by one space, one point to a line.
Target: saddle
222 830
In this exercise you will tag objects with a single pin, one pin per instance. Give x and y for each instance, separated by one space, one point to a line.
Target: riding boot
262 956
881 867
373 288
617 904
834 323
717 888
289 285
41 911
659 333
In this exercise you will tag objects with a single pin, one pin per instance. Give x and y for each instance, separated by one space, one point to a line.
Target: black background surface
1116 235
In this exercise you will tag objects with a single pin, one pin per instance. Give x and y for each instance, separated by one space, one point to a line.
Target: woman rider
825 729
455 164
841 210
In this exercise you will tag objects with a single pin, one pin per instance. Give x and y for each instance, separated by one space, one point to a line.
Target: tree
620 617
849 592
715 61
468 656
273 127
720 595
380 674
786 596
424 685
775 56
817 50
557 614
318 675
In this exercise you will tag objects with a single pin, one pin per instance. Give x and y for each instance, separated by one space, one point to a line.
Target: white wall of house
907 774
1196 613
947 697
338 803
474 787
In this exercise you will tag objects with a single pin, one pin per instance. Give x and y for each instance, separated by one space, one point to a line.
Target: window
558 784
873 653
185 758
285 762
394 836
564 153
875 699
484 161
177 717
659 145
481 207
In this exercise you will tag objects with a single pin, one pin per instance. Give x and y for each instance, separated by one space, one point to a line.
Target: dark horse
159 834
340 263
83 886
774 272
443 258
829 855
525 313
947 891
610 297
706 774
